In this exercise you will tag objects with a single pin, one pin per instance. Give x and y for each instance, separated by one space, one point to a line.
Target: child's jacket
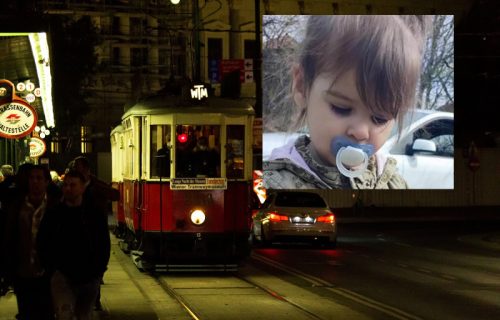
292 167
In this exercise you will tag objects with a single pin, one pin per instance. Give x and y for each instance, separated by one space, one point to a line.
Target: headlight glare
198 217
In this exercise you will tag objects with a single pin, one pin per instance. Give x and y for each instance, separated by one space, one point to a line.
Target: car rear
300 216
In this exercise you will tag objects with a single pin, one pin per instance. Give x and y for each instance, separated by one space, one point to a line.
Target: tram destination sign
198 184
17 119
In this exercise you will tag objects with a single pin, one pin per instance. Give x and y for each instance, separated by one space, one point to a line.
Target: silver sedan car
294 215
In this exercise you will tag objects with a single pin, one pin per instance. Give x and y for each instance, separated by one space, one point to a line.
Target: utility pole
258 62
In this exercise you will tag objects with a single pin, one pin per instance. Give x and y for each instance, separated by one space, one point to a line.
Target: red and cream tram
184 171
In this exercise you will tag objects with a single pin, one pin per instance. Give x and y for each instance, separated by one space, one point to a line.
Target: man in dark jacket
97 192
74 245
23 268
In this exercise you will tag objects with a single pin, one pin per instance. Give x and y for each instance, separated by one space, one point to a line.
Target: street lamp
175 1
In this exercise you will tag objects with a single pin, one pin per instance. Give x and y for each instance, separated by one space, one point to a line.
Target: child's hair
384 51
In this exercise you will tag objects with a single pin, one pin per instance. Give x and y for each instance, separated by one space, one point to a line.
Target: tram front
187 182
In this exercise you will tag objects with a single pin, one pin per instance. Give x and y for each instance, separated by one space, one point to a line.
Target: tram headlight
198 217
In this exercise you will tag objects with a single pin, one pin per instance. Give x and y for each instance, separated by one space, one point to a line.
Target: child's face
338 110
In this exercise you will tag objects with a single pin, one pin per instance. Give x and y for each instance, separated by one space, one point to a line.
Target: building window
55 145
116 56
139 57
180 61
335 8
86 141
164 61
249 49
116 25
135 26
214 49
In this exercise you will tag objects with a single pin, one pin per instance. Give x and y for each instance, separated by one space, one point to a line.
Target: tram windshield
198 151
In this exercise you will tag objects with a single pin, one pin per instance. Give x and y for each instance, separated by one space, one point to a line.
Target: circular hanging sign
37 147
17 119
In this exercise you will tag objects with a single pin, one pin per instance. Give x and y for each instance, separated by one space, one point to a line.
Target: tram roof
118 128
176 104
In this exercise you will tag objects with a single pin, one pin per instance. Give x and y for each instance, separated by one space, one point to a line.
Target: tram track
191 309
385 309
177 297
253 293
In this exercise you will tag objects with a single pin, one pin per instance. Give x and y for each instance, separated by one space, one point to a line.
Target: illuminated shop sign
37 147
199 92
17 119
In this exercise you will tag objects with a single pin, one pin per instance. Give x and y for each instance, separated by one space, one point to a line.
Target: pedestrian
23 268
206 159
97 192
6 185
353 78
74 246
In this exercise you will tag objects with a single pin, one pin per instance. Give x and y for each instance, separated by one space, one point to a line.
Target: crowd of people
54 239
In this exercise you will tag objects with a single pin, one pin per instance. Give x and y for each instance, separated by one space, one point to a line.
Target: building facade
148 45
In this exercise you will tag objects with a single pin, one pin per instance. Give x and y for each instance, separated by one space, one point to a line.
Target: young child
353 78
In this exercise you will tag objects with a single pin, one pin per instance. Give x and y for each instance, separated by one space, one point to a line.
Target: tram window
235 154
129 154
197 151
160 151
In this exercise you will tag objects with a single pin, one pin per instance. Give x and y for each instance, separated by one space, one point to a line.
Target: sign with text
17 119
213 71
231 65
37 147
198 184
199 92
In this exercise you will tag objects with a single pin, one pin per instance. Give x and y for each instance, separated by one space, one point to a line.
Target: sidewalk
120 297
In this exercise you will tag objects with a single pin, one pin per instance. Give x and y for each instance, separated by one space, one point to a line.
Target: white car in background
424 150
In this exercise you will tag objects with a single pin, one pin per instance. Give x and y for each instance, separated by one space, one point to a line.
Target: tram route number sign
198 184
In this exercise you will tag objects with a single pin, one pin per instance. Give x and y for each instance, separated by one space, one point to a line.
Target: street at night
262 159
410 270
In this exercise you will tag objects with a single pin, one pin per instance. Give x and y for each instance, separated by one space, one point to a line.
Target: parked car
294 215
425 150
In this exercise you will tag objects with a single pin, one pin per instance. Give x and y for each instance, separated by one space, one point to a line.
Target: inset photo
358 102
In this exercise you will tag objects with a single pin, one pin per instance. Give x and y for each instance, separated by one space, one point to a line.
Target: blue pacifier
350 155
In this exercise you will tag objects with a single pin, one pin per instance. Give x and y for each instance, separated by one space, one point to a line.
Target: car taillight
275 217
327 218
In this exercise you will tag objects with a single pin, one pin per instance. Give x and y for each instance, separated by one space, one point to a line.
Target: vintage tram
184 171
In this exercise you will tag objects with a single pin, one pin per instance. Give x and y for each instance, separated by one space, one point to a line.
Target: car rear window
299 199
